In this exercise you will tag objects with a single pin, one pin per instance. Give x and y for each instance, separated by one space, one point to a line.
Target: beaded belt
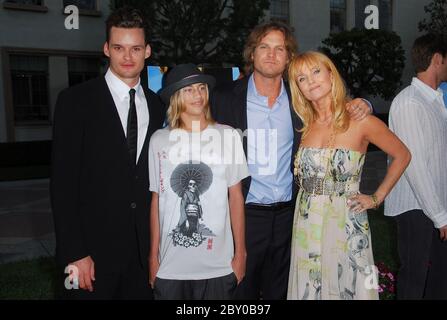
321 186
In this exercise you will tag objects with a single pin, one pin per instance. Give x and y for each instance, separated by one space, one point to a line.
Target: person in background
419 201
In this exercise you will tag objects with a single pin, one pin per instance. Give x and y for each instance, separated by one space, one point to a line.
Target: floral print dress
331 255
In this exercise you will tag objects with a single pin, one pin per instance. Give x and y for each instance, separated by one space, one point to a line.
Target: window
385 13
82 4
29 76
360 15
279 10
82 69
31 2
28 5
338 15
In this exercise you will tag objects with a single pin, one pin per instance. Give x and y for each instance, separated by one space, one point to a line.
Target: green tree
437 23
244 16
370 61
198 31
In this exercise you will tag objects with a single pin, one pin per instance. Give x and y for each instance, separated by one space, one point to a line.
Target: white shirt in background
419 118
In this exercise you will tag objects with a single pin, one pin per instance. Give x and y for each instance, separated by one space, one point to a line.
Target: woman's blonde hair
304 107
177 106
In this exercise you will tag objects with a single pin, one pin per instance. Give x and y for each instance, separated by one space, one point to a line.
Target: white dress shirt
418 117
121 97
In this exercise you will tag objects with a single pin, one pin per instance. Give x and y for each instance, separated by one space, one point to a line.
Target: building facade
314 20
39 56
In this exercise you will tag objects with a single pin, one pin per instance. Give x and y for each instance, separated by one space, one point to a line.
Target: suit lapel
297 125
240 96
152 126
152 119
240 113
114 120
296 122
111 109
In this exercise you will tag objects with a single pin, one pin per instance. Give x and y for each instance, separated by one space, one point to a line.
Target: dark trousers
423 258
131 282
220 288
268 240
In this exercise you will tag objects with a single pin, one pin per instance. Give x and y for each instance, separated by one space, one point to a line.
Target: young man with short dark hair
100 182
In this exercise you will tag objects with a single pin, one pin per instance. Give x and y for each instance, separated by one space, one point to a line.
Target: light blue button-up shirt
269 147
443 86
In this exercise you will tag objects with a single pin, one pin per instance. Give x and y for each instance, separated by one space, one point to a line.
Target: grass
384 239
36 279
28 280
384 242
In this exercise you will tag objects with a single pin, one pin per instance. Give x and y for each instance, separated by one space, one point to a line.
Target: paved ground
26 223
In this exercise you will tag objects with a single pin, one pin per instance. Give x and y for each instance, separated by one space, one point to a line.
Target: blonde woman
331 244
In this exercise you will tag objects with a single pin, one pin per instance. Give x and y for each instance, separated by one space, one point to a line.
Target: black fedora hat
181 76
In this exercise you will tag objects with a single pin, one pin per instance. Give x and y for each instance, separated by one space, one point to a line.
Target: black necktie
132 128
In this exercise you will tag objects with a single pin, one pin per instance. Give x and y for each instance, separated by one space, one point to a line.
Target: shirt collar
426 90
254 94
119 87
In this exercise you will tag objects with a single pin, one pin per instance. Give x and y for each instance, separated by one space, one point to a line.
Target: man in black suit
261 103
100 185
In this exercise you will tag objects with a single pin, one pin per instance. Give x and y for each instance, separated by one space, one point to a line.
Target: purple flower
386 282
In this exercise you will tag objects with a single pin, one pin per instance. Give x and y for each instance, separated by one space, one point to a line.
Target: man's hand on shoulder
358 109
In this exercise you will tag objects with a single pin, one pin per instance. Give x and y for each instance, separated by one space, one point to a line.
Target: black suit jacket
229 106
100 200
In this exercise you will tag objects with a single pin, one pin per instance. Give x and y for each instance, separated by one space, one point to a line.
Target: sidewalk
26 222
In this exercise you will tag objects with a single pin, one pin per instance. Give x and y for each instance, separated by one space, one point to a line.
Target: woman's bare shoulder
368 124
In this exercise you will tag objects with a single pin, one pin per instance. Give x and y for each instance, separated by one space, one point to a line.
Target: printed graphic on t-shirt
190 180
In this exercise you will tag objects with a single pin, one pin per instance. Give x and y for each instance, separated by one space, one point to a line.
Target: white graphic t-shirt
191 172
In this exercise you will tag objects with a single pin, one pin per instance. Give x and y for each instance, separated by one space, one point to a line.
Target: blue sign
443 86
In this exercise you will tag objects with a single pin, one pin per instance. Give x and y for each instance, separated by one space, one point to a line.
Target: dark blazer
100 200
229 106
